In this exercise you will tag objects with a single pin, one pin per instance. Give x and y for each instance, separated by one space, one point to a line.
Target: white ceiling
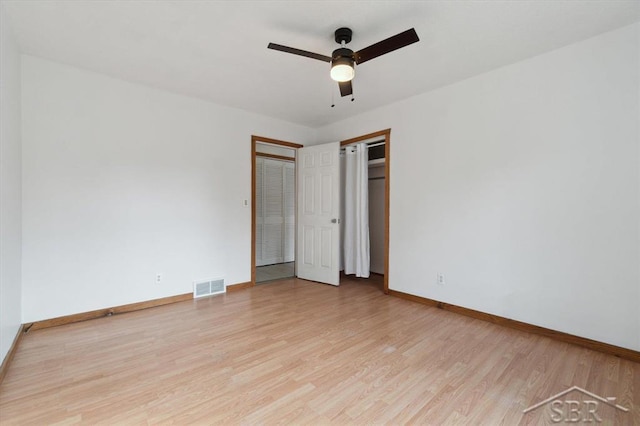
217 50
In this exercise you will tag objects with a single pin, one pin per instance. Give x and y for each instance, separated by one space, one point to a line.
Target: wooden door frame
254 142
387 156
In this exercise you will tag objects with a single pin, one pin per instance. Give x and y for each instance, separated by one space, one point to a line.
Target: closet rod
376 144
369 145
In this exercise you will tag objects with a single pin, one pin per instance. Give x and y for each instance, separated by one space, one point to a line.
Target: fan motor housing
342 53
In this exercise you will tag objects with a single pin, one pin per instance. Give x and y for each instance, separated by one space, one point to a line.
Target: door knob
335 220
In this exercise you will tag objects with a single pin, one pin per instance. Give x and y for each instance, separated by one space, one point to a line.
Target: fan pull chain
333 102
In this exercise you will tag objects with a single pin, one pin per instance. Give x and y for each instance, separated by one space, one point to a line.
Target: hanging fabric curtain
356 220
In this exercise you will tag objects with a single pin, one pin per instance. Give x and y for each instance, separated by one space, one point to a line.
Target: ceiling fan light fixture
343 60
342 69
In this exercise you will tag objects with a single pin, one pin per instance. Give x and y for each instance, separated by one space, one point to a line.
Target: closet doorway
273 209
378 151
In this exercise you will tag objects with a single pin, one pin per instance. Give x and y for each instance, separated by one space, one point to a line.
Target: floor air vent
209 288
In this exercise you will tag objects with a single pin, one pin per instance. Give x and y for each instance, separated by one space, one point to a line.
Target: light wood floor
296 352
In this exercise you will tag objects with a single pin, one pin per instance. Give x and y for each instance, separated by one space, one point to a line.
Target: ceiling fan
343 59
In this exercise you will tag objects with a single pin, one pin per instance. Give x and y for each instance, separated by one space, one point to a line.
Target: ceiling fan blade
299 52
345 88
385 46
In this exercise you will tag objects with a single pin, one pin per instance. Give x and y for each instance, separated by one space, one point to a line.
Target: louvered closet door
259 211
272 238
289 173
275 211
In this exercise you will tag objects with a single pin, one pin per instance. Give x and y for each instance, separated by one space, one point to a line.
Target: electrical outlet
441 279
158 278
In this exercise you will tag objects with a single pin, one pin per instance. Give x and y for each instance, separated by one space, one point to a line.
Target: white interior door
318 241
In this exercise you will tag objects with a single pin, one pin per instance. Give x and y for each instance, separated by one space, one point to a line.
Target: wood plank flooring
296 352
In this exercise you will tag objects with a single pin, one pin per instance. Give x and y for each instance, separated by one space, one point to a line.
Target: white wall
122 182
638 174
522 186
10 188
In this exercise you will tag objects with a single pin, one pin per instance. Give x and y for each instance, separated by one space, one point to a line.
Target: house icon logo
573 411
